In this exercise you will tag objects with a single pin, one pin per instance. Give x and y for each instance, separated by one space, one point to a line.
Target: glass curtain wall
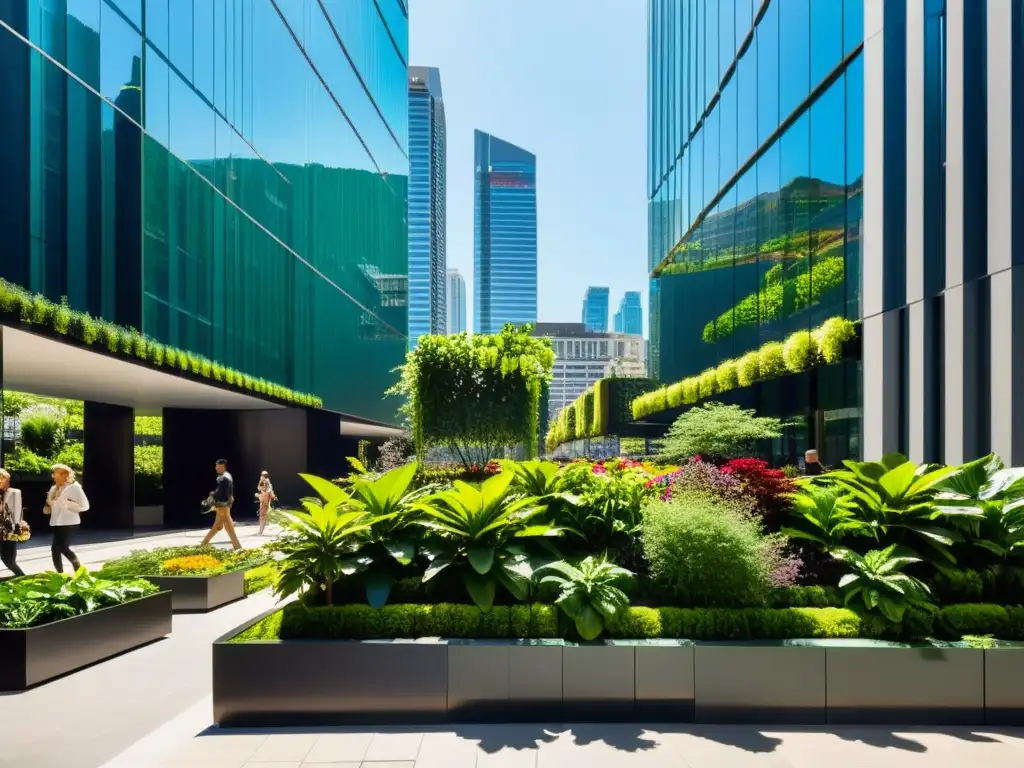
229 176
755 174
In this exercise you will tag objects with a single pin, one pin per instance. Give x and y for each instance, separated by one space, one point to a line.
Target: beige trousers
223 522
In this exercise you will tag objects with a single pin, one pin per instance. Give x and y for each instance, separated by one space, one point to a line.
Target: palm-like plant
588 593
878 582
897 499
320 543
823 514
481 530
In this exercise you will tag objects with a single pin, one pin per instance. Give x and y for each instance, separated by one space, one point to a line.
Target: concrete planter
432 681
770 682
905 685
37 654
198 594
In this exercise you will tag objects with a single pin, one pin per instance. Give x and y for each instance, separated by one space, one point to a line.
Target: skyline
591 201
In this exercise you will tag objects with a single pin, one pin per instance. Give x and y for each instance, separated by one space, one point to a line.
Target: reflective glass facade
426 204
630 317
755 174
595 310
504 235
456 297
229 176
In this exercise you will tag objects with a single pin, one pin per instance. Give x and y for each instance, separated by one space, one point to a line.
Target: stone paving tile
340 748
395 747
285 747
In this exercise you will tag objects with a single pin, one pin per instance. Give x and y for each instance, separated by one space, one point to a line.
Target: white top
65 508
13 502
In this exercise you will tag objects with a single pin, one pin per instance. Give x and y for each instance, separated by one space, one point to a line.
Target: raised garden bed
37 654
202 593
433 680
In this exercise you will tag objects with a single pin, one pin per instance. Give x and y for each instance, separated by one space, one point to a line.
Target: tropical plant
897 500
389 544
717 430
589 592
42 430
878 583
320 544
823 514
34 600
481 531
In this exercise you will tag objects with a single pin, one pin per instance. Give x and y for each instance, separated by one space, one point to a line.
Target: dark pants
62 546
9 557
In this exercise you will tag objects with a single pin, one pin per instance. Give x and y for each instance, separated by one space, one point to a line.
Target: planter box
1004 685
504 680
663 681
771 682
598 683
875 684
202 593
37 654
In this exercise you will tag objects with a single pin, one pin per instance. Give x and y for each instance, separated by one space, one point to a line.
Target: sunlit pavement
151 708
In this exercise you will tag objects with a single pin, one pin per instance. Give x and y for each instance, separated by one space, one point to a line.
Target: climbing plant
475 395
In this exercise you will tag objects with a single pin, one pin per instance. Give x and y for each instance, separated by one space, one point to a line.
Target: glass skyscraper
456 297
426 204
630 317
228 176
755 178
595 310
504 235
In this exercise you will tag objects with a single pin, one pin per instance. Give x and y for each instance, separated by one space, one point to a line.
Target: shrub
259 578
800 351
717 430
955 586
805 597
149 475
691 390
770 359
709 383
698 476
703 552
830 337
360 622
769 486
954 621
41 599
748 369
675 395
727 376
150 562
42 430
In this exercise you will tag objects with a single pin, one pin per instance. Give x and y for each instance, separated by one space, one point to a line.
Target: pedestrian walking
221 499
65 502
265 497
12 527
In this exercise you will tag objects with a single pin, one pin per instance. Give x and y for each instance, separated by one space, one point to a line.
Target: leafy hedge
475 390
609 403
800 351
33 309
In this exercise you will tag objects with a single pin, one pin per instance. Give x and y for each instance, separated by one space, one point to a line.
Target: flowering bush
768 486
190 564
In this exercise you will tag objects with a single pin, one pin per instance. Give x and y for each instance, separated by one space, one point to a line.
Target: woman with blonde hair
264 495
12 527
64 504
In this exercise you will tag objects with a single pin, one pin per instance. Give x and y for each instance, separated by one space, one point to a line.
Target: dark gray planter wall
202 593
37 654
749 684
909 686
384 682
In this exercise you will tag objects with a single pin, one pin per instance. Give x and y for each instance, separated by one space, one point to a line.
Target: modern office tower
426 204
229 178
504 235
583 356
456 302
630 317
756 174
595 309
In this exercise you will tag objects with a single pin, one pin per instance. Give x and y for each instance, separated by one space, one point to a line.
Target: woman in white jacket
64 503
10 522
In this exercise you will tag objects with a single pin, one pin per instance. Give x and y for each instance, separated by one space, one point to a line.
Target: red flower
599 469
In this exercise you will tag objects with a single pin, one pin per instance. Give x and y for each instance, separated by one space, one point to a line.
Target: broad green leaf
437 565
403 550
481 558
481 589
589 623
331 493
378 587
897 481
357 465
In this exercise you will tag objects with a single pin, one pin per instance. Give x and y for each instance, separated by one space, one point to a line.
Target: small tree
719 431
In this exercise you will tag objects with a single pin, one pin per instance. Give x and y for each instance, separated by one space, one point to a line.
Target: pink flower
599 469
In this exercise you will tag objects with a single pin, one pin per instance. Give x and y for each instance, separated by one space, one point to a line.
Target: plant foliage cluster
182 561
34 600
34 309
800 351
609 403
476 395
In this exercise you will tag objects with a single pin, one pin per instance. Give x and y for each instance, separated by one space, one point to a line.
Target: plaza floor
151 708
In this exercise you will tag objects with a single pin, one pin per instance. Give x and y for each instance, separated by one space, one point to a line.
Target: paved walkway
151 708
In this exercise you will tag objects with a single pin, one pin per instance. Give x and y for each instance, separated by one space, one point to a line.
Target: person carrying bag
64 504
13 527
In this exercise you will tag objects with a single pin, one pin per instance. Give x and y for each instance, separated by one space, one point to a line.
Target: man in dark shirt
222 498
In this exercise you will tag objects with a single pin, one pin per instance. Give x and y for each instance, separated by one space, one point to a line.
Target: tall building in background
504 235
756 161
456 302
630 317
426 204
583 356
595 309
258 221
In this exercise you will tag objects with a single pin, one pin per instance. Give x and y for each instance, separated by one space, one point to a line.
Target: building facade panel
630 316
595 309
224 175
456 297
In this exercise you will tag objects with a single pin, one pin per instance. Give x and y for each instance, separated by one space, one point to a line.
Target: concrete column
881 364
109 472
1007 365
962 358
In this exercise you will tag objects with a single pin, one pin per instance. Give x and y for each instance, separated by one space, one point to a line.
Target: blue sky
566 80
